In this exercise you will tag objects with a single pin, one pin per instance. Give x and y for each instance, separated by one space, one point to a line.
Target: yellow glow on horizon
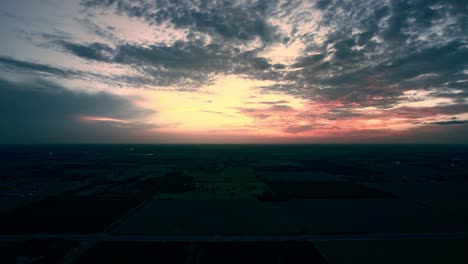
237 106
217 107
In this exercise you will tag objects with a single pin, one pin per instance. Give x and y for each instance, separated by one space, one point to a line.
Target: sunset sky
247 71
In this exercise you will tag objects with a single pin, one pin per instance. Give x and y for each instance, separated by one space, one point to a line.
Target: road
196 238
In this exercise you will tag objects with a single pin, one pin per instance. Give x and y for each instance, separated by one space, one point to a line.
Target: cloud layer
304 70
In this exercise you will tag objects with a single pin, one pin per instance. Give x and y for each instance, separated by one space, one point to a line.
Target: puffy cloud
227 20
363 67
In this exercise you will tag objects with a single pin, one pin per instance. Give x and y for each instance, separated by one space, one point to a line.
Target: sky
245 71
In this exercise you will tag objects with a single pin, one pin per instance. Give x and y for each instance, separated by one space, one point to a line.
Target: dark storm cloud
40 111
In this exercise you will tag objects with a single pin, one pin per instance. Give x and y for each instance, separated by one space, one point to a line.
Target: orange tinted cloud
101 119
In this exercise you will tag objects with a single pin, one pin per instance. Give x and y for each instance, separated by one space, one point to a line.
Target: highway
223 238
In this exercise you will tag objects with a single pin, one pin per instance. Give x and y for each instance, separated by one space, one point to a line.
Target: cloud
373 51
281 108
34 69
93 51
221 19
25 66
261 116
359 53
421 112
181 63
274 109
43 112
450 122
216 113
341 114
355 66
269 102
298 129
102 119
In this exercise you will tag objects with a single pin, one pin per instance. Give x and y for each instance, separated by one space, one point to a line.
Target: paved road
190 238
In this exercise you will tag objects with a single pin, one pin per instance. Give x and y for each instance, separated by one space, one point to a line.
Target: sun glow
221 106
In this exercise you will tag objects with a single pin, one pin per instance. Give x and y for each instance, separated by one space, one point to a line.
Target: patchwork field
117 203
